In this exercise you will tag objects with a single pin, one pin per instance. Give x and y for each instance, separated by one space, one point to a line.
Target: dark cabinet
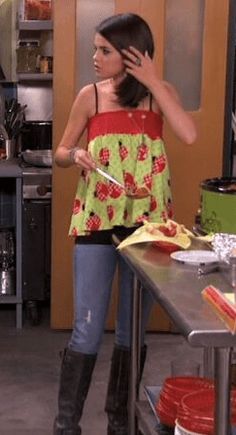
10 220
36 256
36 250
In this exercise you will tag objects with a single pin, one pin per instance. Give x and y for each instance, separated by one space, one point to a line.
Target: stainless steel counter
177 287
10 168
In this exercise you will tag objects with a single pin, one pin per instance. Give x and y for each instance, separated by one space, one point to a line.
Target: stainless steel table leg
19 253
19 315
222 391
208 362
135 352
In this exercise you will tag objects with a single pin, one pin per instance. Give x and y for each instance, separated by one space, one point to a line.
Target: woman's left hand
140 66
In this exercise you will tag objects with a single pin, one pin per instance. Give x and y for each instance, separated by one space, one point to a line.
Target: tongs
138 193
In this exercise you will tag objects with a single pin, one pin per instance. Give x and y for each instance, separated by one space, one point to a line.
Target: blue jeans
94 268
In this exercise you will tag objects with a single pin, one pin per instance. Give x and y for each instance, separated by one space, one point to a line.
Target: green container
218 205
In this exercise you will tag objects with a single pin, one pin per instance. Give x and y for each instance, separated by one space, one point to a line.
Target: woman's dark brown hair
123 31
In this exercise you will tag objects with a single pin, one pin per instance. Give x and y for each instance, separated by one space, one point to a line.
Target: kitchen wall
39 100
88 14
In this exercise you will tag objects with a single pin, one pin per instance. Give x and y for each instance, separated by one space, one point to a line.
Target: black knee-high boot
118 388
76 374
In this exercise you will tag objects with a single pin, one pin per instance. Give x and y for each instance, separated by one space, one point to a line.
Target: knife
109 177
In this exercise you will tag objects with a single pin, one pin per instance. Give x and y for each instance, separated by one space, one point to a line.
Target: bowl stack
195 413
174 389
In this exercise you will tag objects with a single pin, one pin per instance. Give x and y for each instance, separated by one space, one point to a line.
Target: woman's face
108 62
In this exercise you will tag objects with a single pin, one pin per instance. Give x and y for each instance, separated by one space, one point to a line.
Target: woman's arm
170 105
164 94
68 151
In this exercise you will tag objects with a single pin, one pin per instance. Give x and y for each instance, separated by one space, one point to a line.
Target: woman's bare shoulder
86 96
84 103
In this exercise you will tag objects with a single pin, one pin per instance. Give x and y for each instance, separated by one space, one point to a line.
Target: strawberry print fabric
129 146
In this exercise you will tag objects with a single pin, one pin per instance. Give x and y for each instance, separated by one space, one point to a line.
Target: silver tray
38 157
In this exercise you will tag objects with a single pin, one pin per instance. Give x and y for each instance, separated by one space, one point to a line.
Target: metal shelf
35 25
146 419
8 299
34 76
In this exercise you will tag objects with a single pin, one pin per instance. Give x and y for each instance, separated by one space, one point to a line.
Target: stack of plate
195 413
174 389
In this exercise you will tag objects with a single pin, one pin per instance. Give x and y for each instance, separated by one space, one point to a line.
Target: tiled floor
29 372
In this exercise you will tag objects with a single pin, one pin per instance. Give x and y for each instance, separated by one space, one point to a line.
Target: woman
123 114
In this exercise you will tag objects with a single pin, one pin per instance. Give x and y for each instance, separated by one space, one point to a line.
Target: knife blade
109 177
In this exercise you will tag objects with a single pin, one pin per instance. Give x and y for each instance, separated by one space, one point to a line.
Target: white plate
198 257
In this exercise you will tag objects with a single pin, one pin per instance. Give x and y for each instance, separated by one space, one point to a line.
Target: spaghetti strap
96 98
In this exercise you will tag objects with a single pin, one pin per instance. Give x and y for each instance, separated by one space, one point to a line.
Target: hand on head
139 65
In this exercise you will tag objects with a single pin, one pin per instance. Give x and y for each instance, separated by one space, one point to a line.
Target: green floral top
129 146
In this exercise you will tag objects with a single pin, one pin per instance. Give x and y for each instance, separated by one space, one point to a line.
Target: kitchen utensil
19 115
218 202
38 157
139 193
109 177
10 147
14 117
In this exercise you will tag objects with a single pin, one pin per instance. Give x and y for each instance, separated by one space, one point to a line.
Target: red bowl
170 402
196 411
165 417
166 246
180 385
201 403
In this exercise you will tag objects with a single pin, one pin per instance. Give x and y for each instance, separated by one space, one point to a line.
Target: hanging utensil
19 116
137 193
15 115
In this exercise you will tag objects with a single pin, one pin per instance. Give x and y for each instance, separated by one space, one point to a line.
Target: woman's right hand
83 159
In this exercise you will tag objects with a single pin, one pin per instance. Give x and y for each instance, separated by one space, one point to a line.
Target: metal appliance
7 262
36 135
36 239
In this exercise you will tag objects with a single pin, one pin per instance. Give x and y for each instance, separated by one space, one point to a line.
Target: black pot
36 135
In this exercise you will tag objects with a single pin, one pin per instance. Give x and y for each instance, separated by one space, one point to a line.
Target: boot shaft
118 389
75 379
